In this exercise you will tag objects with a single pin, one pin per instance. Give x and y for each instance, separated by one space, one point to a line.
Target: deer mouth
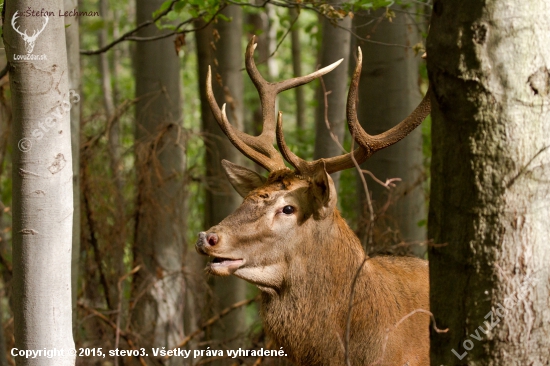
224 266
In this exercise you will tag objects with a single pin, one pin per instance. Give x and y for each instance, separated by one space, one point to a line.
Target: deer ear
242 179
322 188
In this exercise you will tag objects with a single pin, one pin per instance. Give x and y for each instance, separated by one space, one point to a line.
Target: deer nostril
212 239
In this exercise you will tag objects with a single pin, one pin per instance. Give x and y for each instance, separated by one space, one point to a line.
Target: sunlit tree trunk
331 108
160 164
42 184
488 65
389 91
221 199
73 59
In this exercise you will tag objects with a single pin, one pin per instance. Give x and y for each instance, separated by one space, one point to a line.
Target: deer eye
287 210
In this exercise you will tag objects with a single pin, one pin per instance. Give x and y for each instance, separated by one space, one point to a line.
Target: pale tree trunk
388 92
297 70
221 199
489 65
160 164
4 141
42 186
73 59
331 108
117 248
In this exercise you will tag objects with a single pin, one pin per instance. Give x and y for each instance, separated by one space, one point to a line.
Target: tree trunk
73 59
117 248
160 164
331 108
5 128
221 199
388 92
42 184
297 69
490 204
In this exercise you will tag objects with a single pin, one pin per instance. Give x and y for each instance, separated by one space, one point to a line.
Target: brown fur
305 264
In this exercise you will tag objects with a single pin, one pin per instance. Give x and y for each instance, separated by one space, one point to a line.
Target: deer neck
315 294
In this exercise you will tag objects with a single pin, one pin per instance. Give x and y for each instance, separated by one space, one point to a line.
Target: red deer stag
289 240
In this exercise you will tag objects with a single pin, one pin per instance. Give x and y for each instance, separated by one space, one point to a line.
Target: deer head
29 40
252 242
288 238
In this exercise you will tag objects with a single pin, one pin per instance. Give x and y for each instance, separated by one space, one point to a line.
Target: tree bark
160 165
221 199
388 92
297 69
488 65
42 185
73 59
331 108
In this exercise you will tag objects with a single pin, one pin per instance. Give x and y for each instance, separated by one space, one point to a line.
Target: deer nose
212 239
206 240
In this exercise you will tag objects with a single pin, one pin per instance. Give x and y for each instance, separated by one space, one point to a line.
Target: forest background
147 177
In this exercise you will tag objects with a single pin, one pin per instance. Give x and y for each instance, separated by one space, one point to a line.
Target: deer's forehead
274 189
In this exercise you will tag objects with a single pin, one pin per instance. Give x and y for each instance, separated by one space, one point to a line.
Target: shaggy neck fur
308 316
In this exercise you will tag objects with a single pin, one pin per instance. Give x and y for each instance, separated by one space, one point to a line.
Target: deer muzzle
208 244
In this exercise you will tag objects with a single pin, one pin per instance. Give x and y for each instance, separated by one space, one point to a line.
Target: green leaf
165 5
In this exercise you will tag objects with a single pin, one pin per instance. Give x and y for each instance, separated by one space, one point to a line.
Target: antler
260 148
36 33
15 28
24 34
368 144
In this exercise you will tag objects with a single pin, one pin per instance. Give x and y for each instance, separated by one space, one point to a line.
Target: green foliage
180 11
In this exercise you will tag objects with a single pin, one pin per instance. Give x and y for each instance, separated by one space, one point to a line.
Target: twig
350 306
211 321
389 330
119 306
93 238
5 70
114 326
129 33
260 359
389 182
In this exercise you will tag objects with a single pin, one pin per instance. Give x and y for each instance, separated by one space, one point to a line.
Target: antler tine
367 144
304 167
16 28
391 136
301 166
259 148
268 91
265 155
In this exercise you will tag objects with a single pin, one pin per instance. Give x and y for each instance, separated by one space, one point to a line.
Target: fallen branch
211 321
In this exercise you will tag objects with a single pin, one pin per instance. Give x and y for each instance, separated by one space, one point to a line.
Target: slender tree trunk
4 223
160 164
221 199
331 108
297 69
42 185
116 249
489 273
388 92
73 59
